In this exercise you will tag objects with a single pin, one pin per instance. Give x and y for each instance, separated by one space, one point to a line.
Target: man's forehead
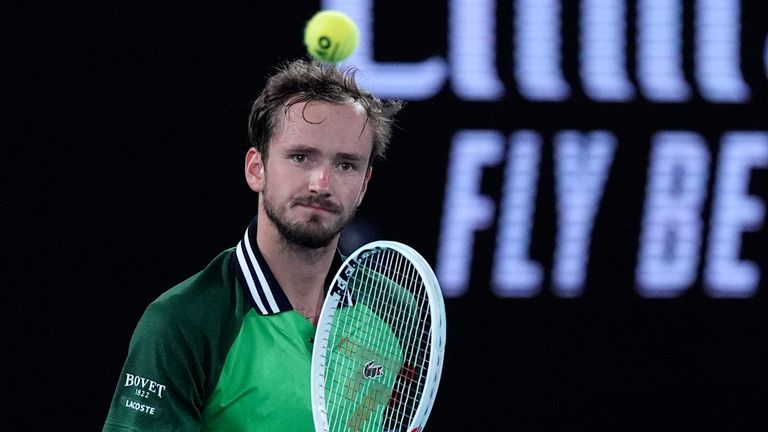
352 115
316 112
306 110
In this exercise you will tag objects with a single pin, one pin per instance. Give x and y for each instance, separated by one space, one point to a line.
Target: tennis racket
378 351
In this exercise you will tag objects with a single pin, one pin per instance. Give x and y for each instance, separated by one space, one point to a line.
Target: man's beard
310 233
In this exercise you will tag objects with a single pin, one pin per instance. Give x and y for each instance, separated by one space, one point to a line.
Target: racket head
378 352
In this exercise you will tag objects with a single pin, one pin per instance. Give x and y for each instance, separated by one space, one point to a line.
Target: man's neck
301 272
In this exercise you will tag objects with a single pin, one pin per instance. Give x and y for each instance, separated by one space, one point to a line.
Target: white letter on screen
716 54
582 165
537 43
514 273
603 54
472 50
465 210
413 81
670 240
733 212
660 51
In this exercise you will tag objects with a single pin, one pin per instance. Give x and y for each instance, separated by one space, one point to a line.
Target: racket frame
338 289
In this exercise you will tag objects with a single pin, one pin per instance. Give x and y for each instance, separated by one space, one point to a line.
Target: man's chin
310 236
311 231
309 242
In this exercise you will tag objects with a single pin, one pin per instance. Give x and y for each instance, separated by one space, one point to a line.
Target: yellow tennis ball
331 36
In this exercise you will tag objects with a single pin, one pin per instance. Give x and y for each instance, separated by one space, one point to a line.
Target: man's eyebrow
305 149
300 148
352 157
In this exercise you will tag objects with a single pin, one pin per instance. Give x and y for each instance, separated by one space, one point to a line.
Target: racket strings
390 286
348 382
384 265
412 331
352 381
395 412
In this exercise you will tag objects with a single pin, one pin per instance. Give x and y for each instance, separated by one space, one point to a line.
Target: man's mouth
317 204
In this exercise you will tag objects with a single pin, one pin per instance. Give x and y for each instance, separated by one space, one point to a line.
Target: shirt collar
266 295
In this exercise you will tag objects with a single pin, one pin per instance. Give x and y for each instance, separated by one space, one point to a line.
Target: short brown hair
309 80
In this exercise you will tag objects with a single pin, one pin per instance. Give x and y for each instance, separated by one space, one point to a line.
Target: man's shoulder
216 275
200 298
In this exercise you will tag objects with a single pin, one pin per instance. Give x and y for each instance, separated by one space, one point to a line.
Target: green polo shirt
222 351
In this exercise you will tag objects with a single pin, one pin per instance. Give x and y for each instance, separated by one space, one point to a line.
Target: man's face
316 172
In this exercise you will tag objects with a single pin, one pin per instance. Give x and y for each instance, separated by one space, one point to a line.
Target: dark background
122 175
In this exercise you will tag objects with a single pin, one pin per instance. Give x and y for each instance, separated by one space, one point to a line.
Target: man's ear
365 186
254 170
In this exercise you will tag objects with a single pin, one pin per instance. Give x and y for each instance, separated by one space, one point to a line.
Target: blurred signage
700 194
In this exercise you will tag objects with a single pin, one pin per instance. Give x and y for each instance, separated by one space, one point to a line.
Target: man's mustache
318 201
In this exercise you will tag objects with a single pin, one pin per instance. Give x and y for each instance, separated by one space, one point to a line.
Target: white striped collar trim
266 294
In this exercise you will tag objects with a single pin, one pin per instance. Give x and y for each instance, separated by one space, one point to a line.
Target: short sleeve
161 386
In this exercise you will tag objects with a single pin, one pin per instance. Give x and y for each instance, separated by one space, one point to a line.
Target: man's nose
319 181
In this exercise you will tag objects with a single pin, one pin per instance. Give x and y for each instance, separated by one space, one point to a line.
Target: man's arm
161 384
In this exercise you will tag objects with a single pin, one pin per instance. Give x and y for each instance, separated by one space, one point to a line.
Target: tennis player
230 348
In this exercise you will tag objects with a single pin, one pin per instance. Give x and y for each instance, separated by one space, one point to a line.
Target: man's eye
346 166
299 158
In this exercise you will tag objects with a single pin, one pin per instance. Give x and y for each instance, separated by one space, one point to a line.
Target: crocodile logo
372 370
